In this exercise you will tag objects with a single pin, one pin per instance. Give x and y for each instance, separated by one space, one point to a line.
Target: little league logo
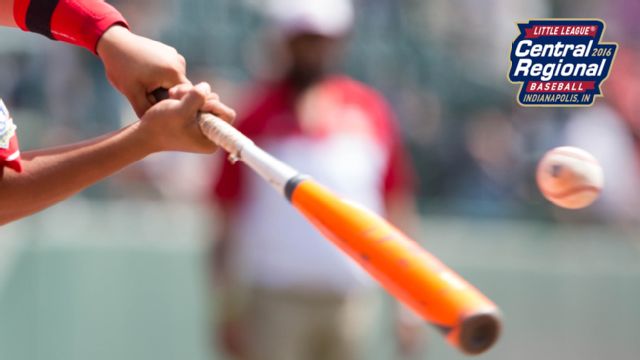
7 127
560 62
4 117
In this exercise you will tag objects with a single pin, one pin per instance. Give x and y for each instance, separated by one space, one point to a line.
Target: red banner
560 86
537 31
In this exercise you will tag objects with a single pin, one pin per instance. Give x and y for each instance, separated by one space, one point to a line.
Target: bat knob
479 332
160 94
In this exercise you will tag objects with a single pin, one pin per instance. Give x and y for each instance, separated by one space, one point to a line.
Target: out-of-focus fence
121 280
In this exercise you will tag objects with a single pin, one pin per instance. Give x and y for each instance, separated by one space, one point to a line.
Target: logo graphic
4 117
7 128
560 62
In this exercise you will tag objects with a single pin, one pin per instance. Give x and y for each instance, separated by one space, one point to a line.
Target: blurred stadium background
117 272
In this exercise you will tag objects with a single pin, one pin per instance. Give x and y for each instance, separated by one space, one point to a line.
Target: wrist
112 40
140 141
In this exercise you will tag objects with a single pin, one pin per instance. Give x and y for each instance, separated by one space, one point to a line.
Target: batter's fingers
194 99
205 87
219 109
179 91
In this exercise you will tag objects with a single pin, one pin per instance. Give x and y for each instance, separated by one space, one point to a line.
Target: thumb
194 99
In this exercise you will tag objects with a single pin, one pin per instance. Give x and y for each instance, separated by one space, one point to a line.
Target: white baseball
570 177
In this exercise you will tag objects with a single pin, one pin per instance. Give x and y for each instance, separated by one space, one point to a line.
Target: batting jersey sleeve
78 22
9 149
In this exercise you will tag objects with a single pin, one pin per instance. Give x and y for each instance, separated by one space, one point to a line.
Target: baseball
570 177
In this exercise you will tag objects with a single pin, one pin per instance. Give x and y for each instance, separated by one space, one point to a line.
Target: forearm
52 175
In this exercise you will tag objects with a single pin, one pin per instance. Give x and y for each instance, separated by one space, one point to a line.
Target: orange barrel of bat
467 318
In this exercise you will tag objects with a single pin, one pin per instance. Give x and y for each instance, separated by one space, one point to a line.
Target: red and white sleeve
9 149
399 174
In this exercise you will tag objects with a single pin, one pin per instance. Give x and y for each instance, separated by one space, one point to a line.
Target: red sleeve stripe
39 14
83 22
20 8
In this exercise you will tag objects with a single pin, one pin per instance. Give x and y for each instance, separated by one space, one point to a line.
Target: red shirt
340 132
338 105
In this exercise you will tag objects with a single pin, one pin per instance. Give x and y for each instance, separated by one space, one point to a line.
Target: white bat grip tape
224 135
242 148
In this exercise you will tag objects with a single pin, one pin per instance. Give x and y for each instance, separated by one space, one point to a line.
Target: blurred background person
286 292
610 130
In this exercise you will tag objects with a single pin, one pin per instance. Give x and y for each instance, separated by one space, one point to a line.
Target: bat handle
224 135
240 147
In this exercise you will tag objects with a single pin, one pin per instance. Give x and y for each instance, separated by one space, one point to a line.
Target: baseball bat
467 318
